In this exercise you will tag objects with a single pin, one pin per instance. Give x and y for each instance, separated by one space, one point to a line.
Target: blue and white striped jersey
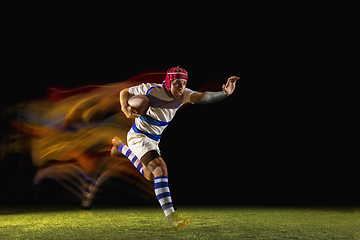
161 111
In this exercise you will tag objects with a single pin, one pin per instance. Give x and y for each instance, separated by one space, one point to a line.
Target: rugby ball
140 103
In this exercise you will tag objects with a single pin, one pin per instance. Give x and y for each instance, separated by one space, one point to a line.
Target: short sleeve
140 89
187 94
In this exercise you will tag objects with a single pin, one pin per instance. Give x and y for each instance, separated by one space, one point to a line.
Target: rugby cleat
114 150
177 222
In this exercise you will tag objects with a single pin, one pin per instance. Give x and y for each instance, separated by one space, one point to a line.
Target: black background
271 142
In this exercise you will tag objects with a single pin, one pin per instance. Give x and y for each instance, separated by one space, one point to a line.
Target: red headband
174 74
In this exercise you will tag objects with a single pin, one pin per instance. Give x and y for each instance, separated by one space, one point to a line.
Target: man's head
175 81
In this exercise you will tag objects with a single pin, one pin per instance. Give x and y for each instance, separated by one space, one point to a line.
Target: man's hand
212 97
230 85
130 112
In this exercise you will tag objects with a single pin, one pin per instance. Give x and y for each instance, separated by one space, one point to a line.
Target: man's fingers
233 80
134 113
133 110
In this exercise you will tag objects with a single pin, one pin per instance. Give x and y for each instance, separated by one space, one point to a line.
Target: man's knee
159 171
154 163
157 167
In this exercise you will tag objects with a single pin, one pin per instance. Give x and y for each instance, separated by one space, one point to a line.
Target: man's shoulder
143 88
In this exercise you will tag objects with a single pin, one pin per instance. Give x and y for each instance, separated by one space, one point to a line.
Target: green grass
205 223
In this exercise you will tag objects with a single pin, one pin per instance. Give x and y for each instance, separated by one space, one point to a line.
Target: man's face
178 88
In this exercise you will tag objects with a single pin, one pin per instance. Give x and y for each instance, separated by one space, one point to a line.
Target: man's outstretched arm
212 97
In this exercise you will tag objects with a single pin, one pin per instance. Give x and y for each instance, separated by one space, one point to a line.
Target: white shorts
140 144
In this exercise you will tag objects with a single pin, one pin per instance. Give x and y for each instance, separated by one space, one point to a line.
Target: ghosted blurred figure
67 137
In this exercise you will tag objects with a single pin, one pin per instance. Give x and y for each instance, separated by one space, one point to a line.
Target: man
144 137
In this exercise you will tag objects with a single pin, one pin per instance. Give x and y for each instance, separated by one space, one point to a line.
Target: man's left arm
212 97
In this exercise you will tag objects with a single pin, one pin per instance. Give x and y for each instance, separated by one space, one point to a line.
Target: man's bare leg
154 163
157 166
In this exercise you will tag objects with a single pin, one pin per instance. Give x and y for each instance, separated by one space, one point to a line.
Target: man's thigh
149 156
155 163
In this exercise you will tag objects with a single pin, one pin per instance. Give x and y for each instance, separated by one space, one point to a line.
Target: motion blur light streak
68 137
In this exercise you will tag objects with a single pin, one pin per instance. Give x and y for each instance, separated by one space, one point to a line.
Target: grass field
38 222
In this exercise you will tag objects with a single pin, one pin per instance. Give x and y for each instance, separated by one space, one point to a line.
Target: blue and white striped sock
163 195
131 156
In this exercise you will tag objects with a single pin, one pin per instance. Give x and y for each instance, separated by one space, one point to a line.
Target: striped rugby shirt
161 111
